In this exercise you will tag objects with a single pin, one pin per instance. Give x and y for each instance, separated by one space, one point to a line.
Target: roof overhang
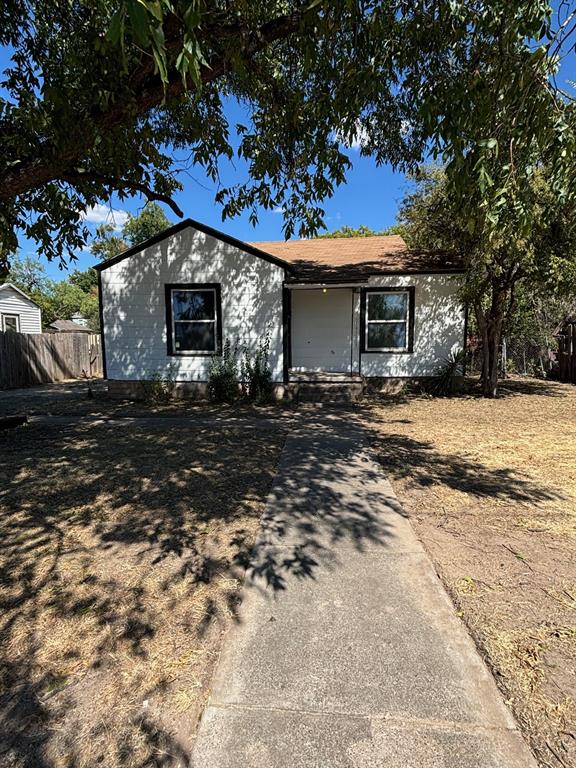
332 284
25 295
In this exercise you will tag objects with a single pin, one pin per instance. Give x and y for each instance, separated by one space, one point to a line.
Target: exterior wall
438 327
134 312
13 303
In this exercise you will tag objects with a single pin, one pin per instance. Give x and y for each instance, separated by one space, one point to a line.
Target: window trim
10 314
172 351
409 348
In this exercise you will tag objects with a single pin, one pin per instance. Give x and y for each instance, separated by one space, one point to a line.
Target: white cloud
359 140
278 210
103 214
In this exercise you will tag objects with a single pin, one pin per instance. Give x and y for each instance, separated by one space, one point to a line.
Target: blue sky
371 196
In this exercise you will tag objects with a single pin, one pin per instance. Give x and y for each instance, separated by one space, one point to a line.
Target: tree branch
48 165
73 177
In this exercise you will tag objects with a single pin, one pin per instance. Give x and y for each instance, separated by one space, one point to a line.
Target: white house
18 312
334 309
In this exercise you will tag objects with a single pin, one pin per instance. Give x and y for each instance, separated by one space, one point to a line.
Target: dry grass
491 489
120 562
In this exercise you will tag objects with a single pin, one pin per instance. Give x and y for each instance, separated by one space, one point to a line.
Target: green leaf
139 21
154 7
115 33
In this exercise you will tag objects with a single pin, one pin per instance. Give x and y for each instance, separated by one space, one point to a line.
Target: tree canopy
59 300
514 262
100 95
149 222
364 231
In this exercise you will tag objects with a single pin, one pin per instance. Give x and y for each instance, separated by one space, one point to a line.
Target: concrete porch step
324 377
329 392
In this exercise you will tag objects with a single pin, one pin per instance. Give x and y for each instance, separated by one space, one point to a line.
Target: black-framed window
10 322
388 320
194 319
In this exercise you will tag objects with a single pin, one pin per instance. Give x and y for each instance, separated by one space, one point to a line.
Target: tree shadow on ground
330 491
422 464
123 547
471 389
119 565
526 385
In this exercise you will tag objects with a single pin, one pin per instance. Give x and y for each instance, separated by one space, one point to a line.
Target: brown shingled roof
356 257
67 326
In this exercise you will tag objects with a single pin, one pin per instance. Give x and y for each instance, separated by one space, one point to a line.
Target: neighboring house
66 326
79 319
17 311
332 308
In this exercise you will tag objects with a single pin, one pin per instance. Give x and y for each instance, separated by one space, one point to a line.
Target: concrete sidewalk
348 651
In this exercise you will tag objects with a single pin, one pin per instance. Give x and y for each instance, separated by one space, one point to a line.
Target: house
346 309
79 319
18 312
67 326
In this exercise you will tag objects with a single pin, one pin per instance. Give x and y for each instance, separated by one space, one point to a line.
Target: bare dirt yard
490 487
71 399
122 549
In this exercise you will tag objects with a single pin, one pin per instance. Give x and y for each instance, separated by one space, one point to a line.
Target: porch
323 331
324 386
323 343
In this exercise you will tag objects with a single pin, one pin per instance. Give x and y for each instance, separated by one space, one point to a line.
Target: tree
364 231
87 281
58 299
535 258
28 274
107 243
66 299
530 330
149 222
99 95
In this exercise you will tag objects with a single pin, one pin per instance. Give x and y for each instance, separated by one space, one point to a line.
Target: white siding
438 326
13 303
133 292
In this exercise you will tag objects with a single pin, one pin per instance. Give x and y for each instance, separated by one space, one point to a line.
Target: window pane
10 323
387 306
193 305
386 335
195 337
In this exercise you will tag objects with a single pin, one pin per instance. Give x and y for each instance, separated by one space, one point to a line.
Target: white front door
322 329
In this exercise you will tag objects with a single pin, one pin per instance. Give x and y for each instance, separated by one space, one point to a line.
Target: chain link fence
517 356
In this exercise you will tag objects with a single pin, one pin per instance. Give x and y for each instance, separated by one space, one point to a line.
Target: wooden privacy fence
567 352
27 359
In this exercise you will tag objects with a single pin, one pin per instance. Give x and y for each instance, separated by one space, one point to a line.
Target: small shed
67 326
18 312
566 335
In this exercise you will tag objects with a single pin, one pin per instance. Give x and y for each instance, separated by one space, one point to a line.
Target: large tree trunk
490 324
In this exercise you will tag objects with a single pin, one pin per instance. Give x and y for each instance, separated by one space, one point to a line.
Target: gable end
240 244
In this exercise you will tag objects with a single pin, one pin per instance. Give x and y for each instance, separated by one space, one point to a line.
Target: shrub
256 374
223 383
159 389
444 383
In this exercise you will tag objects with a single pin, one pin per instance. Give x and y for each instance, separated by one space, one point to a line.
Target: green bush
159 389
223 382
256 374
444 384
